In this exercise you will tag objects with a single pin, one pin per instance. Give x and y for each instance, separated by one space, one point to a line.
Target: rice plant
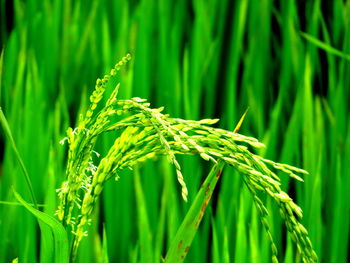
147 133
287 61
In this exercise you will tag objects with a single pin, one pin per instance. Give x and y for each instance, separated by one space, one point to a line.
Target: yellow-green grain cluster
81 142
147 133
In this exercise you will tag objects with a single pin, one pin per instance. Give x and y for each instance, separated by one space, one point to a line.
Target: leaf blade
58 232
189 226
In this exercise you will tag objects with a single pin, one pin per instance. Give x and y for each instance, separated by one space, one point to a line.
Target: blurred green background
199 59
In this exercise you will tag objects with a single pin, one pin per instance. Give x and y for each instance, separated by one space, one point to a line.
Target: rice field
287 62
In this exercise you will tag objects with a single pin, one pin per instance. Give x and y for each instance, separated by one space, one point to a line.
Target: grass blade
48 222
325 46
185 234
1 68
8 133
145 232
105 258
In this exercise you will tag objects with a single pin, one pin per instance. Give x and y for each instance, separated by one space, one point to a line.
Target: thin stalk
8 133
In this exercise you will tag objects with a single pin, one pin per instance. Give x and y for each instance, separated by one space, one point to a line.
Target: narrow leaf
105 258
188 229
8 133
239 124
325 46
58 232
145 232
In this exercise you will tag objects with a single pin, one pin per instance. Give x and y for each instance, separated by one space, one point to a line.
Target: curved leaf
50 227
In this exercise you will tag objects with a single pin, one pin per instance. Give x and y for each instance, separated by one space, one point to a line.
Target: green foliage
199 59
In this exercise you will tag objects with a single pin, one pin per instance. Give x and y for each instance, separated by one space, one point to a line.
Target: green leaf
50 227
105 258
325 46
144 228
8 133
1 68
188 229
